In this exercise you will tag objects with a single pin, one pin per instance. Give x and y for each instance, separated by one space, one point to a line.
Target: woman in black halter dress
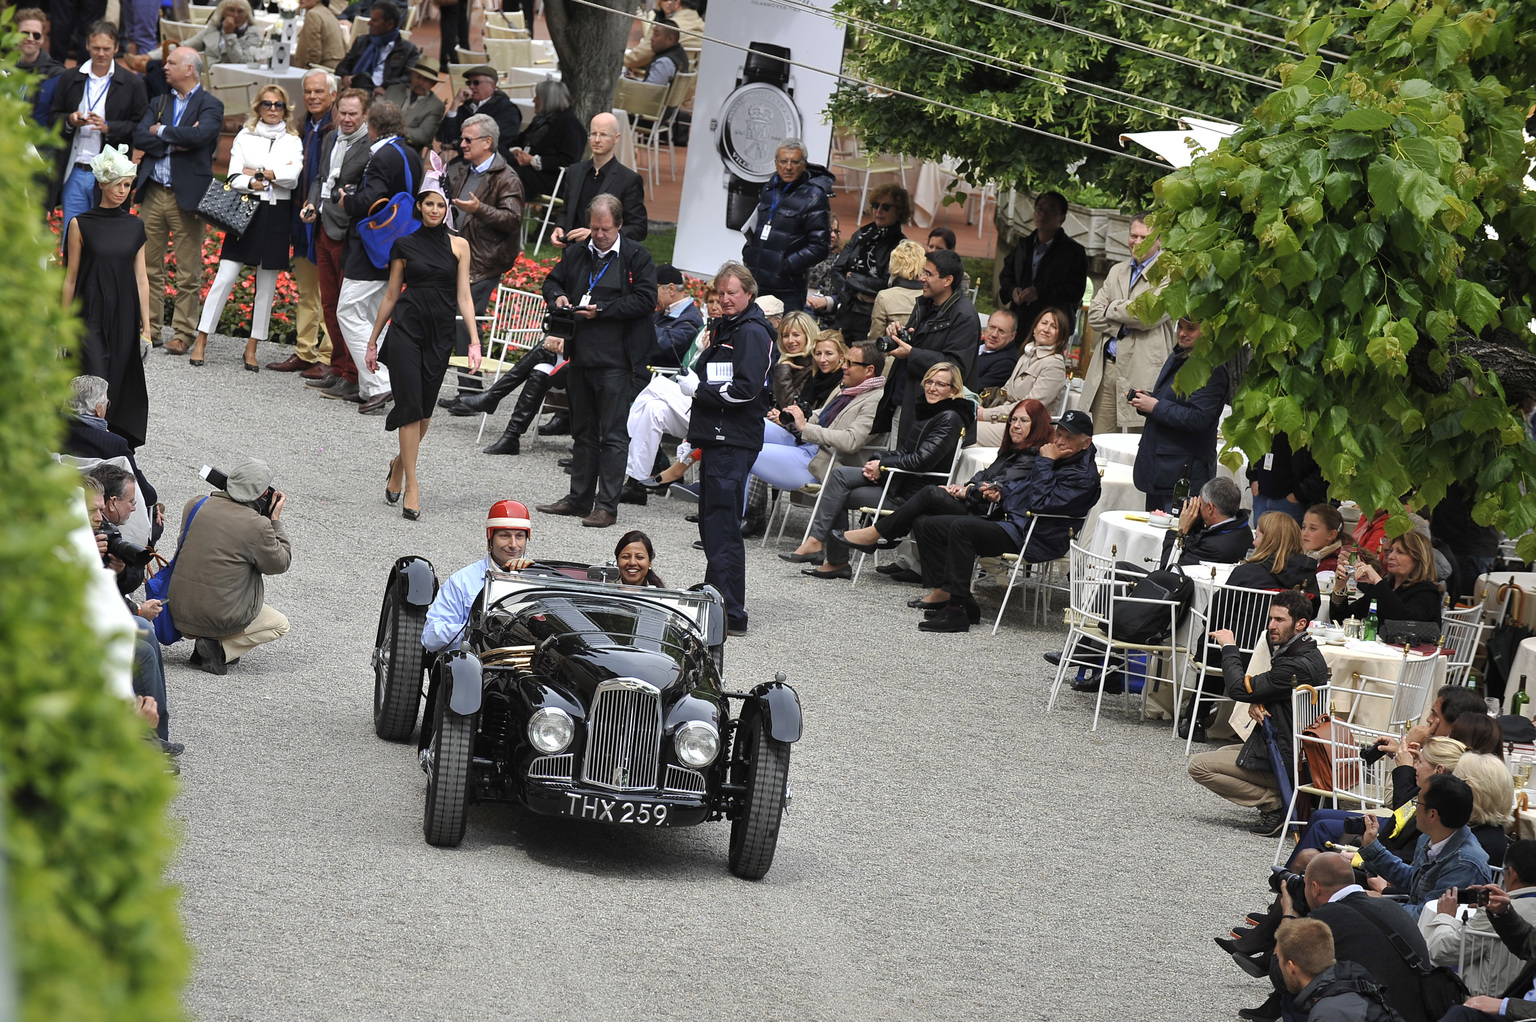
433 266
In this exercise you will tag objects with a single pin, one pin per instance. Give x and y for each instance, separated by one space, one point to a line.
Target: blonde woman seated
895 303
264 161
797 336
793 439
1039 374
1278 560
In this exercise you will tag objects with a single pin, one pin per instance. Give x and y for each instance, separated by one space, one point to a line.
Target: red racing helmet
507 514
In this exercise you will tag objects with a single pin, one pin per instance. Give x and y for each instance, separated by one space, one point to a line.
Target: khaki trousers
314 344
1219 772
164 221
267 626
1106 406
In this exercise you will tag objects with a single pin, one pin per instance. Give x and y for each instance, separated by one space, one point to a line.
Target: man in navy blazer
96 104
178 135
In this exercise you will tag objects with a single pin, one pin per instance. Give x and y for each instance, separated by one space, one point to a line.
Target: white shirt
1344 892
378 68
93 100
599 253
676 308
1436 847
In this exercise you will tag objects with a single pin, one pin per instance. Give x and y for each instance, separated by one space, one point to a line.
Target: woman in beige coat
896 302
1040 373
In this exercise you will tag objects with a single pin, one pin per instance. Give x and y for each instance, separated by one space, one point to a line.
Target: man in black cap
678 319
1064 481
480 96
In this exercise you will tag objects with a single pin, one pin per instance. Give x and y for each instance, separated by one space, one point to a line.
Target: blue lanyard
106 83
592 280
778 196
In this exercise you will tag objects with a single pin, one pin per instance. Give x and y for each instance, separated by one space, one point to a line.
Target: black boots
528 403
558 425
487 400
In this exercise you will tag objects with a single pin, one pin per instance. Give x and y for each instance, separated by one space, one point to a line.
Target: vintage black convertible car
578 696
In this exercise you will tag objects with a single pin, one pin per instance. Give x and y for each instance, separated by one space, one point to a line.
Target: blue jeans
1263 505
78 196
782 462
149 673
1323 825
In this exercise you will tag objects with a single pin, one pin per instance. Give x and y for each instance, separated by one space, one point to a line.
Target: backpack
1147 623
159 588
1440 987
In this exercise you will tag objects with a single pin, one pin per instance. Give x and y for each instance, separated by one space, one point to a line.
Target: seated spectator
1029 429
827 356
422 109
32 55
678 319
1242 774
1493 796
682 13
820 280
941 420
943 237
1209 526
1446 855
480 96
634 555
994 362
1323 535
381 57
552 141
860 271
800 448
894 304
1407 592
1040 374
1518 999
319 40
1278 562
943 327
663 409
217 592
1285 480
86 436
797 335
669 61
1064 484
1321 987
231 35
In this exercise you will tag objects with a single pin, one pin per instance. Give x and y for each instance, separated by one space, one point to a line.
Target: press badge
1269 462
719 372
766 229
586 300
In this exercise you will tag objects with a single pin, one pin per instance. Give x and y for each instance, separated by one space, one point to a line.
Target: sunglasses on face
884 207
273 104
849 363
31 35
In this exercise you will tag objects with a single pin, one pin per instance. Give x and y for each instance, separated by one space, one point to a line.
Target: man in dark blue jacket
678 319
1064 482
178 134
611 283
1179 441
726 425
791 231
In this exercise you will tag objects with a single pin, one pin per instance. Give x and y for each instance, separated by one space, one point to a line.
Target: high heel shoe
411 513
391 496
194 362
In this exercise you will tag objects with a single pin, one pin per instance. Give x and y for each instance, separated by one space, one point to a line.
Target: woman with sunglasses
860 273
264 161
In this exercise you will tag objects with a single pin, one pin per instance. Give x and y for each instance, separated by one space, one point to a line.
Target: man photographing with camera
217 596
943 327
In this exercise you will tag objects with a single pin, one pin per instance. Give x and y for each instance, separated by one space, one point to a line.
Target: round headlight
697 743
550 730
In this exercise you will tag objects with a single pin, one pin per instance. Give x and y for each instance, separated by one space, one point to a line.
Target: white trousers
218 295
661 408
357 306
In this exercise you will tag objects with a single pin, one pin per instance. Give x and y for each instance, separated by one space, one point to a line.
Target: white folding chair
879 511
1095 591
516 325
1463 630
1246 613
680 92
550 203
1019 563
1409 691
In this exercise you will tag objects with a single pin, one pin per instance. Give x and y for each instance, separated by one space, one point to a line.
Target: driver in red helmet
507 528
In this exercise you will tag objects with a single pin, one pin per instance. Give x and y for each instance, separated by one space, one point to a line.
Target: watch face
756 118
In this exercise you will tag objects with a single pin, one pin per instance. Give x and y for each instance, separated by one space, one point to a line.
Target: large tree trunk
590 45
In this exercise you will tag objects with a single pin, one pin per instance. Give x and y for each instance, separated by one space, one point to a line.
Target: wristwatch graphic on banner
758 114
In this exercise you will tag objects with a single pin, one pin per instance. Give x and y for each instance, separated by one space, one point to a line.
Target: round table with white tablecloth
1116 448
1128 536
1524 665
1369 659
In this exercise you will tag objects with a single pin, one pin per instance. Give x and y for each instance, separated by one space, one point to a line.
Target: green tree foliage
94 933
1044 97
1341 236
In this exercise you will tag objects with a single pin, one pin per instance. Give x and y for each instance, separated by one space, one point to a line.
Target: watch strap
767 63
740 201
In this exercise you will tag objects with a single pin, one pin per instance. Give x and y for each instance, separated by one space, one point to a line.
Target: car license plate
615 810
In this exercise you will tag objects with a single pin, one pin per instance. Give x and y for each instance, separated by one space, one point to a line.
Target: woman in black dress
434 267
105 270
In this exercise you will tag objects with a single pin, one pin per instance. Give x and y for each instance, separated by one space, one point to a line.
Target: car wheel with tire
447 809
761 766
398 667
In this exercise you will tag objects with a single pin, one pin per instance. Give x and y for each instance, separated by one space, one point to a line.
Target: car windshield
633 622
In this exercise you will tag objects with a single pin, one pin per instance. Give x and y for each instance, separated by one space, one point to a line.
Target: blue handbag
396 219
159 588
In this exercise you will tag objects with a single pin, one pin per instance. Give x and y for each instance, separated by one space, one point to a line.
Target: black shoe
1053 658
171 748
863 548
449 403
972 611
1113 685
1269 823
753 526
698 544
559 425
1258 968
953 619
846 571
904 575
563 462
210 656
691 518
456 406
633 493
922 604
484 401
817 558
507 443
1266 1012
737 630
888 569
1199 730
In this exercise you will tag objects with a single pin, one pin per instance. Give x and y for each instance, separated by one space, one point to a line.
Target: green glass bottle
1372 623
1517 705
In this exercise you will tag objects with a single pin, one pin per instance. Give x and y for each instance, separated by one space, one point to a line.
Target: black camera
130 554
560 321
888 344
1477 897
220 481
1294 883
1354 825
1130 395
1371 754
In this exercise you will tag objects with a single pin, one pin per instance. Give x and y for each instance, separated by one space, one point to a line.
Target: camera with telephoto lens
887 345
132 555
1294 883
220 481
560 321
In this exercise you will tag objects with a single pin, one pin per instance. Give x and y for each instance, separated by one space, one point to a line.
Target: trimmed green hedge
94 929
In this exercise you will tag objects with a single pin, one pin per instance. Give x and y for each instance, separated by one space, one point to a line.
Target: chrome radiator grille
623 736
552 768
681 779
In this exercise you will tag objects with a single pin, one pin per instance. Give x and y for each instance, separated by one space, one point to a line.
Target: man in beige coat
1138 351
319 40
216 595
847 433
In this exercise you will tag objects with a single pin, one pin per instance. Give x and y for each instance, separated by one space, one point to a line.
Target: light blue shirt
449 613
161 171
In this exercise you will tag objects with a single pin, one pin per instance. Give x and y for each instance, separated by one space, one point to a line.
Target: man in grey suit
343 155
423 110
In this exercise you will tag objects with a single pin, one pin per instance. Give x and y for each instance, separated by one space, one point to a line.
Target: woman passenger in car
634 555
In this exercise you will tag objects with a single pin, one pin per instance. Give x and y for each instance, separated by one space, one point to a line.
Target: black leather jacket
930 447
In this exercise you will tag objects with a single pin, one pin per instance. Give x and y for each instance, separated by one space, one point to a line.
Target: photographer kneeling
217 595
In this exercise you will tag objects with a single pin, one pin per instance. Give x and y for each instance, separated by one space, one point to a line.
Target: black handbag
228 210
1414 633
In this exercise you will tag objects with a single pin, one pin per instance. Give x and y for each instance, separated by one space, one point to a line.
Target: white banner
745 103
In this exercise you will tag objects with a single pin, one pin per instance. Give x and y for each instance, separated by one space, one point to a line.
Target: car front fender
465 676
416 580
779 706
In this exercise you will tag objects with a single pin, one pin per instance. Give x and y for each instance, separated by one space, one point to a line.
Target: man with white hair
310 349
